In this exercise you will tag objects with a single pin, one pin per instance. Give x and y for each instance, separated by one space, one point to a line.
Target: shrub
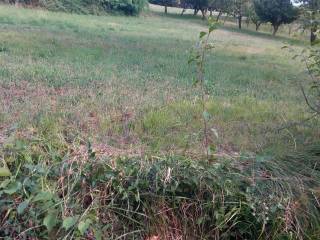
129 7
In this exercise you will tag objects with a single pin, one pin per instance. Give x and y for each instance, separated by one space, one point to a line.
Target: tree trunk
210 12
183 10
313 35
203 12
165 9
240 21
275 29
290 30
17 3
195 12
219 15
257 26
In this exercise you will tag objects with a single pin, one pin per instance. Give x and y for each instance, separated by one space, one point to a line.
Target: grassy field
88 73
122 86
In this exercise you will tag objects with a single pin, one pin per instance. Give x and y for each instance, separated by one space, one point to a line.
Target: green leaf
195 82
22 206
43 196
98 234
5 172
212 28
191 59
69 222
206 115
12 188
4 183
50 221
202 34
84 225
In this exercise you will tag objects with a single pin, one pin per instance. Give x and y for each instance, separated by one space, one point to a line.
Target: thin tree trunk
313 35
257 26
275 29
203 12
219 15
240 21
290 30
248 23
183 10
210 12
165 9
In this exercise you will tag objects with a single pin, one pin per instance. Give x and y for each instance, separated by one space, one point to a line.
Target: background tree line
275 12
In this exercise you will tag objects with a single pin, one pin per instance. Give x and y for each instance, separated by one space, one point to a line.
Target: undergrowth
59 190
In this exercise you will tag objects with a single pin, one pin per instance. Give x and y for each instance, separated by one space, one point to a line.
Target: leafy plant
310 57
170 197
198 57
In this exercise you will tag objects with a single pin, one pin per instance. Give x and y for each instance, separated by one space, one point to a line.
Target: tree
196 5
276 12
220 6
240 7
253 17
310 17
165 3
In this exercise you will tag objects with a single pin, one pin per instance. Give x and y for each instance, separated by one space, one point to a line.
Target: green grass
105 66
87 69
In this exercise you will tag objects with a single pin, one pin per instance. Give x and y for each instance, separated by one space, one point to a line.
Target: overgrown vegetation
129 7
60 191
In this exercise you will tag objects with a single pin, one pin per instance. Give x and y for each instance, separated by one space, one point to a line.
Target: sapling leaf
12 188
43 196
5 172
212 28
22 206
202 34
84 225
206 115
69 222
50 221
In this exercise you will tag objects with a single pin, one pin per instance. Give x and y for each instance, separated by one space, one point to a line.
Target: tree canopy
276 12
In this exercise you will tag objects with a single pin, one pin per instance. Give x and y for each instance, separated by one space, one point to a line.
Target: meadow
116 87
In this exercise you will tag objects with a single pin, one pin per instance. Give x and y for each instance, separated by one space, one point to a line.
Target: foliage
130 7
221 6
310 57
310 17
55 192
196 5
239 9
198 57
252 16
276 12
